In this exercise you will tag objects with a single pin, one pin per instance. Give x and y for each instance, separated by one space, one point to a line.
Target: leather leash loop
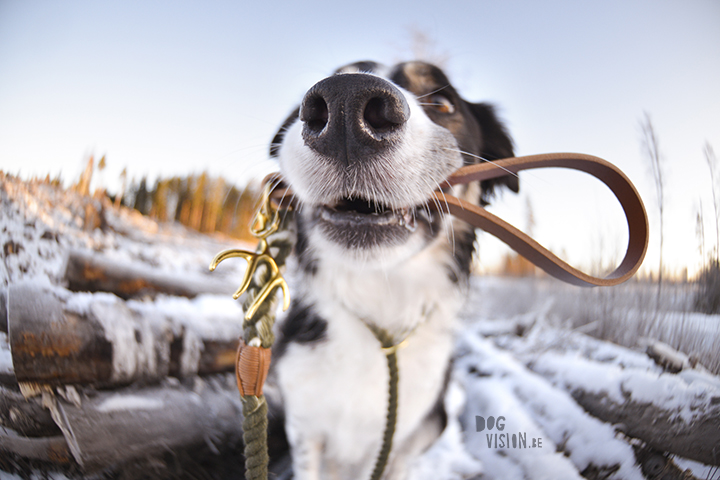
606 172
610 175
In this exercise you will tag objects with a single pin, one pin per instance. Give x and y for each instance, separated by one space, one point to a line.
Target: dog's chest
335 389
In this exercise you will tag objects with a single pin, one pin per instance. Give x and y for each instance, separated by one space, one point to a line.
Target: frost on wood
86 272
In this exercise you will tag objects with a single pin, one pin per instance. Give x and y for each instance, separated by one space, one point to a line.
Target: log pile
117 346
101 380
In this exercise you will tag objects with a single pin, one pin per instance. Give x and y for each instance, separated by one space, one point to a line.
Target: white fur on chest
335 390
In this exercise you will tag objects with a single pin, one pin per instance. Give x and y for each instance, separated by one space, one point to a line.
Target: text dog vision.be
504 440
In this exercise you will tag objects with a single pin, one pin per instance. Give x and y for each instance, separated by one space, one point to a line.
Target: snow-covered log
679 414
59 337
110 428
88 272
670 359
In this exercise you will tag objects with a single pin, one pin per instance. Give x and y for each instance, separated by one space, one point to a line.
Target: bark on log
658 466
660 428
50 449
26 417
87 272
115 427
100 340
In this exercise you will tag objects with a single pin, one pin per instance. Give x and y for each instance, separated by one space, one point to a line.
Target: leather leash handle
619 184
606 172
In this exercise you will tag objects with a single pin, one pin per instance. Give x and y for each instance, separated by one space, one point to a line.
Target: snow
129 402
448 457
527 379
45 222
6 365
501 386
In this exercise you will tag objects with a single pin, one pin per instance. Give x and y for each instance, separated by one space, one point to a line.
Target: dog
363 154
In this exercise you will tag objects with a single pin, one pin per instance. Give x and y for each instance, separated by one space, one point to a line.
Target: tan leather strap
606 172
541 257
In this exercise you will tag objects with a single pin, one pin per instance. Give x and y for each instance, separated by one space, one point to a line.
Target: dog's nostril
380 116
315 113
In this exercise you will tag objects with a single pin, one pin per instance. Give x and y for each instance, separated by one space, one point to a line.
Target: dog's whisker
483 159
450 231
433 92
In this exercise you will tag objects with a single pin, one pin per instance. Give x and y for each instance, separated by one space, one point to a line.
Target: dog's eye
441 103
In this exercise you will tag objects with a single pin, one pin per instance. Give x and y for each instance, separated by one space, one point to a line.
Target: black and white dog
363 154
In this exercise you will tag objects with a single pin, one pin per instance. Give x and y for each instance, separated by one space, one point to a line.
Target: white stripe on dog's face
374 207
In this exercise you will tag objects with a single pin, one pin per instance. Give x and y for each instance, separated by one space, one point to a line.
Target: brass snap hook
266 222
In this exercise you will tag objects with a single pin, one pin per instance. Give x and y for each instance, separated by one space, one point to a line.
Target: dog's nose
353 117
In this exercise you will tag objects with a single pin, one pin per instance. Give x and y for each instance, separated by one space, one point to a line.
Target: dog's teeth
407 219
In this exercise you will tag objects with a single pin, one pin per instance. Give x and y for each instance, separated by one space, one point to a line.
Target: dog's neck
396 299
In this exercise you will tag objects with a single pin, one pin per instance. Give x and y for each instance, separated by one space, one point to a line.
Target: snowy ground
519 355
529 380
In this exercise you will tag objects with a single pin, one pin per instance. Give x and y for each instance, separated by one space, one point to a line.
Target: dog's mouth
365 212
364 223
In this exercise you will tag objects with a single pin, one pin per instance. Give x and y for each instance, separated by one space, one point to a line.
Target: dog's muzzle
353 117
365 168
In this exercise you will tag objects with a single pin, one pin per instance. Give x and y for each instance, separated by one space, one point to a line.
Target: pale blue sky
174 87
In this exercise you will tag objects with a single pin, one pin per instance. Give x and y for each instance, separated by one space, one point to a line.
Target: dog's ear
497 144
278 138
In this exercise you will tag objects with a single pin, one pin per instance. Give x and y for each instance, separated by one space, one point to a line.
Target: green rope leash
255 437
390 350
390 347
391 418
262 278
255 407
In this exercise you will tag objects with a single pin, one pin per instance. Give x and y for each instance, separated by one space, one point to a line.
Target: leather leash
477 216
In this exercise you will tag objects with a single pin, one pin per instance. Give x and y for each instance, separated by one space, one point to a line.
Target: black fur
303 253
302 325
463 250
277 139
497 144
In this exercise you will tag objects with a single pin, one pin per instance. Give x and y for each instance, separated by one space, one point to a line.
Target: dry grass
629 313
626 314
